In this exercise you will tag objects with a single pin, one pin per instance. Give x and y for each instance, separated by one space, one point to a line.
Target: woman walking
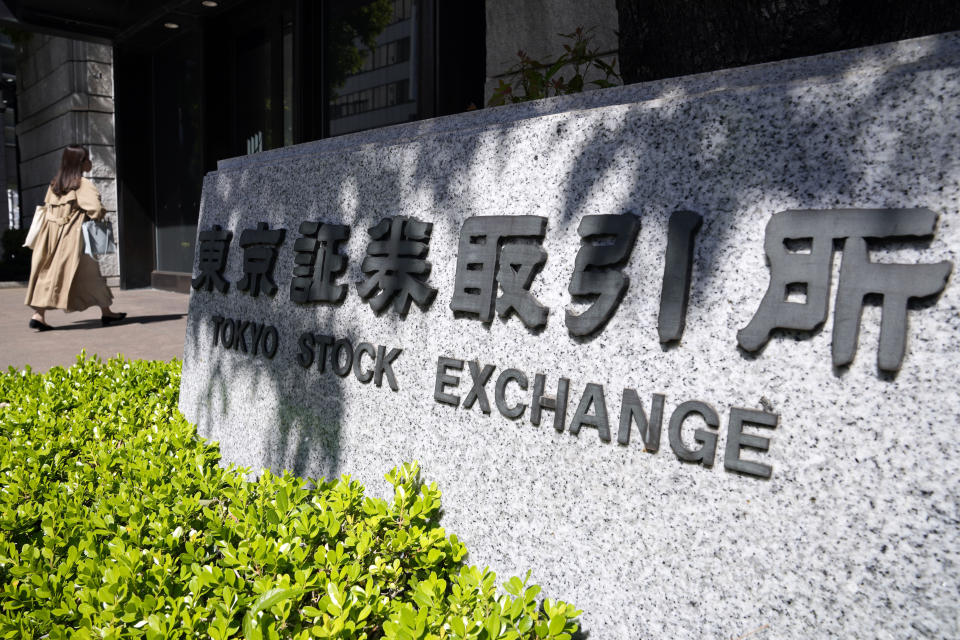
62 276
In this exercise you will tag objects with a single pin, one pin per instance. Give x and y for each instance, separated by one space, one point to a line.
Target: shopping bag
97 238
39 215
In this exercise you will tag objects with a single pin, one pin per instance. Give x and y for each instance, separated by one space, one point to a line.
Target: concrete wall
535 27
65 96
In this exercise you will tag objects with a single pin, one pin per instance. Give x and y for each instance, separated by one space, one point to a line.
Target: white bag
39 215
97 239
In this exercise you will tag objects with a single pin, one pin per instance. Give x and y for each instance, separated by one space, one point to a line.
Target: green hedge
117 522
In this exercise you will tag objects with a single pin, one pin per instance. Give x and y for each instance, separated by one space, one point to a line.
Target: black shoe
108 320
39 326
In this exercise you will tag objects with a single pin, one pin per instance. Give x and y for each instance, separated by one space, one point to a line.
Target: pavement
153 330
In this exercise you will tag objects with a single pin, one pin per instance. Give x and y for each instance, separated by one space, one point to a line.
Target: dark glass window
178 151
287 79
255 75
387 54
379 97
371 49
402 10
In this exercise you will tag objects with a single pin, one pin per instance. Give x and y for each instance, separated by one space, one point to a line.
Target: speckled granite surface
856 533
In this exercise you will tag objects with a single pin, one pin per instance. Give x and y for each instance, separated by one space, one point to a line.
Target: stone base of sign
855 532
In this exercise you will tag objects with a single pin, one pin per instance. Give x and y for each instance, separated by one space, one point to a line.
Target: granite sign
648 263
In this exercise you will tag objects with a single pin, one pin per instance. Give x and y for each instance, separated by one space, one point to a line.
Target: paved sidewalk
153 330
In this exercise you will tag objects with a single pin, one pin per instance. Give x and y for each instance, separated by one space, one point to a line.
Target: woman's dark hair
71 170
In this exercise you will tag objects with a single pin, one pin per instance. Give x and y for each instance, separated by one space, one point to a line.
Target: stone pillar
535 27
65 96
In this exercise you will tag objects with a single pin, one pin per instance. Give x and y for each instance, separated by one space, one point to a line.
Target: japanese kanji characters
212 258
499 259
395 266
897 283
259 255
476 282
591 273
318 263
677 268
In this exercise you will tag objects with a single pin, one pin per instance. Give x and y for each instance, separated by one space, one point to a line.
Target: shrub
541 80
116 521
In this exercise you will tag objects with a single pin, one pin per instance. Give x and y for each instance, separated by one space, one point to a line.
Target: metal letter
519 264
706 453
259 255
631 411
445 380
212 259
217 321
363 348
267 334
323 341
241 342
591 275
318 263
305 357
383 366
227 344
558 405
395 267
341 346
257 334
736 440
476 281
897 283
677 268
477 392
592 395
500 393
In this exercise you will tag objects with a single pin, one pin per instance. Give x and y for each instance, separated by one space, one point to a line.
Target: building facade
65 95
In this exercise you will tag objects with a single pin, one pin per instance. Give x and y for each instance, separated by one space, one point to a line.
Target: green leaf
557 623
492 625
265 601
335 598
525 624
556 66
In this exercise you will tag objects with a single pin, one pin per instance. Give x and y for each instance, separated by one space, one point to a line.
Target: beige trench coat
62 276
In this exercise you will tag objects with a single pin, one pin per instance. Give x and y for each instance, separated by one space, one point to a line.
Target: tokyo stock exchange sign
695 339
497 260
